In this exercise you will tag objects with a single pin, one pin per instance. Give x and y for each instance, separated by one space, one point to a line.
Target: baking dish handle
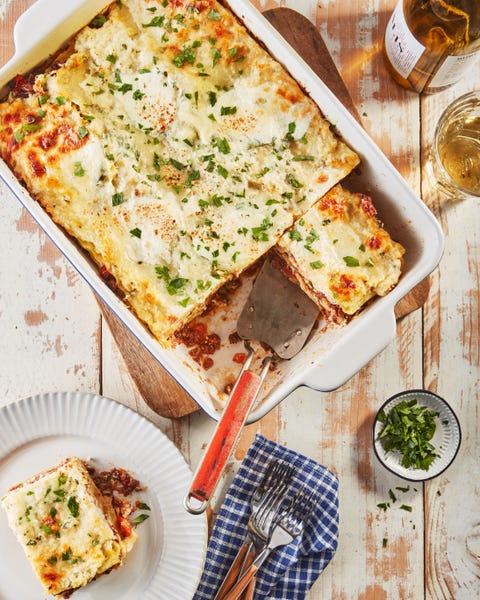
372 336
225 436
42 29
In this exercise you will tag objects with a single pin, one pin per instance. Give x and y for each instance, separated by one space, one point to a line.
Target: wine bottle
430 44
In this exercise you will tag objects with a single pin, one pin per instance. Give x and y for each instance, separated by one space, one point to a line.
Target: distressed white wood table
52 337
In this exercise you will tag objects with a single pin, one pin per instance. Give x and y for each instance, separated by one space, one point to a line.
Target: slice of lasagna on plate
70 531
340 254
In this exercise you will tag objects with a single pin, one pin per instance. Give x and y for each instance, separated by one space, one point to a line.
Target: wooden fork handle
249 590
233 572
245 579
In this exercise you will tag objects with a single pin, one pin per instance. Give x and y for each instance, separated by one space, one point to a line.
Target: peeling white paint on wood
4 5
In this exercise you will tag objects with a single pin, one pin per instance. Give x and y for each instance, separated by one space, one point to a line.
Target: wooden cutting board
159 390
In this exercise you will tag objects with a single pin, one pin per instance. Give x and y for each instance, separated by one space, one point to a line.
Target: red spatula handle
223 440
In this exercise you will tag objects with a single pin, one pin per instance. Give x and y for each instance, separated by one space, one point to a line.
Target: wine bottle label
402 47
452 69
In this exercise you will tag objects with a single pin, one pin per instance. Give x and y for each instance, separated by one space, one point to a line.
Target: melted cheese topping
174 148
65 526
339 252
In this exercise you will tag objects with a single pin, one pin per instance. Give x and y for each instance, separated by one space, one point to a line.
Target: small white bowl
446 439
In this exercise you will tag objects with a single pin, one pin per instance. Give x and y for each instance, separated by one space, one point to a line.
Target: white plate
39 432
446 439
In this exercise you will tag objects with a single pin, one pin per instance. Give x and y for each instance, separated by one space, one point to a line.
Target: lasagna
70 531
340 254
173 148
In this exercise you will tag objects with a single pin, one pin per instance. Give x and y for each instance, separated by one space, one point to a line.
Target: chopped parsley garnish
316 264
351 261
73 506
98 22
294 182
191 177
291 130
187 55
259 233
155 22
125 87
174 285
228 110
177 164
67 555
311 237
222 145
213 15
136 232
408 429
117 199
222 171
78 169
216 56
303 157
31 126
295 235
140 519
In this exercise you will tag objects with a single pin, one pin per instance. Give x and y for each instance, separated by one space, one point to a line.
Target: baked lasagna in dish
173 148
70 531
340 254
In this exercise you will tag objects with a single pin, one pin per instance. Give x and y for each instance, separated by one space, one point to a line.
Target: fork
284 530
273 486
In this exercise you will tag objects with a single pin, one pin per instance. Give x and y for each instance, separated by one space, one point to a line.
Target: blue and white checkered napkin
291 570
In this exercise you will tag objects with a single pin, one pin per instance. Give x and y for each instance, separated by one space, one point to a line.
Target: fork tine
270 509
298 511
276 473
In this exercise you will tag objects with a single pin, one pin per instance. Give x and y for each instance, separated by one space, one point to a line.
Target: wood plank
452 337
50 327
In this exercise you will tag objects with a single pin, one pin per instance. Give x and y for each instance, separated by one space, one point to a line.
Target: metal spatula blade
277 312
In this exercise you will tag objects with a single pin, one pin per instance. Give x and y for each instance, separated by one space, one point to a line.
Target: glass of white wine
454 162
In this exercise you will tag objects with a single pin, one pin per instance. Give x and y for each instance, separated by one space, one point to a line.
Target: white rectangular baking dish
330 358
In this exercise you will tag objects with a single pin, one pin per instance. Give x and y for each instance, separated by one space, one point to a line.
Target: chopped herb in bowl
408 428
416 435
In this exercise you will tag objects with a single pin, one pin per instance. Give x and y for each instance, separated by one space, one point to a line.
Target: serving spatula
279 314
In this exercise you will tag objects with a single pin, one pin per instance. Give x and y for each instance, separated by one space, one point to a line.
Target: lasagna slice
340 254
70 532
173 147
